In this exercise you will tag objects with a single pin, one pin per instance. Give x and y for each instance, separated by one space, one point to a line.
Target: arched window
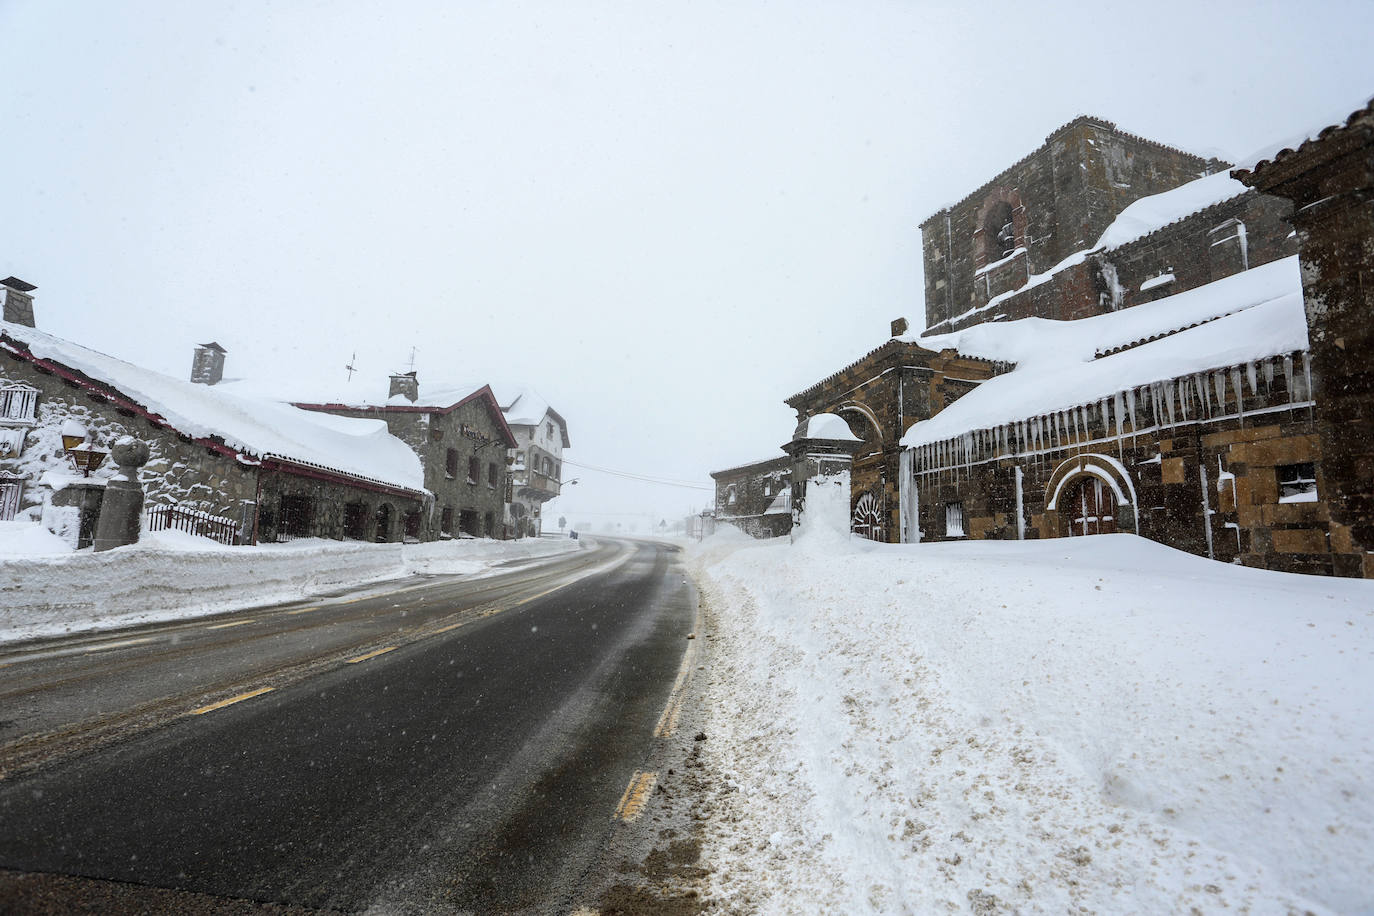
999 232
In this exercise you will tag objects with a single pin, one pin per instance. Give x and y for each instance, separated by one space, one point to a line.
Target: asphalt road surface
447 745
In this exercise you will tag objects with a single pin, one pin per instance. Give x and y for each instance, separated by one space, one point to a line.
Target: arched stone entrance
1089 494
867 520
868 516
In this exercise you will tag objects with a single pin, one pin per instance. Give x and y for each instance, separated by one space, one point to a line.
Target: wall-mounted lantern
82 453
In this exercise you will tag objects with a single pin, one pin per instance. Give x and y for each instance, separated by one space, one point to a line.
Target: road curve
451 746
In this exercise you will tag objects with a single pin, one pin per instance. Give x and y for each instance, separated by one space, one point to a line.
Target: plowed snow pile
1097 724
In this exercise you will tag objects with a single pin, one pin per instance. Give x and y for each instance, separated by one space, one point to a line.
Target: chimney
899 327
406 385
208 366
18 301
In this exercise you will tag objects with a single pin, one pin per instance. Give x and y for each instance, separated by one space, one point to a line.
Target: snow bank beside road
1098 724
171 575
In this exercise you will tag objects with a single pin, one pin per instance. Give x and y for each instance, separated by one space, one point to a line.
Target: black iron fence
193 521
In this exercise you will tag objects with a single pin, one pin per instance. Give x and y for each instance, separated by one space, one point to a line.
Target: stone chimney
406 385
899 327
208 366
18 300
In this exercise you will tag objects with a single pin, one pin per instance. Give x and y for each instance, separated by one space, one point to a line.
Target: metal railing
193 521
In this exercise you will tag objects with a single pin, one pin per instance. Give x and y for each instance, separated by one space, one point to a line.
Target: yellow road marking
452 626
667 722
636 796
121 644
363 658
542 594
236 623
303 610
232 700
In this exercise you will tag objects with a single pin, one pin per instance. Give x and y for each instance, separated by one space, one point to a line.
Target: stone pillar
122 508
822 449
74 510
1330 180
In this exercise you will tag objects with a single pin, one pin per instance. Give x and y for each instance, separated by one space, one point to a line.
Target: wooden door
1090 507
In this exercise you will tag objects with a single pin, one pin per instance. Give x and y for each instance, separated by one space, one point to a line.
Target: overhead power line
642 478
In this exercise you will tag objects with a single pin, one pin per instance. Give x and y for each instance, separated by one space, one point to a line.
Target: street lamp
84 456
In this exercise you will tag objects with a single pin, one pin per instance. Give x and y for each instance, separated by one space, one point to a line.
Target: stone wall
1205 478
1330 181
1059 200
1224 239
881 396
477 507
744 494
180 471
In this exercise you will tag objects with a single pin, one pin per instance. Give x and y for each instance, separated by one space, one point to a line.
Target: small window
1297 482
492 474
474 469
954 520
17 402
999 232
436 433
550 426
730 496
451 463
767 488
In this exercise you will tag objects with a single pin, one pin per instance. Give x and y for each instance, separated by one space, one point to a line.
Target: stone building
1119 341
1329 179
461 438
757 497
256 470
536 461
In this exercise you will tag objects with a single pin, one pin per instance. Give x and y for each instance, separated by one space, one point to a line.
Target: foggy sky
665 217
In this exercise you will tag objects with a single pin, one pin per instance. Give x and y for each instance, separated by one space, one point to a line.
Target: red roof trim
484 392
114 396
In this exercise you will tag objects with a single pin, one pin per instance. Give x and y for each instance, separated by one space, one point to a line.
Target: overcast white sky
666 217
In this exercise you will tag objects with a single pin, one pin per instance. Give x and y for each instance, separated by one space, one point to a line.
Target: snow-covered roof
1139 219
1244 317
255 428
359 393
523 406
1314 129
781 461
370 395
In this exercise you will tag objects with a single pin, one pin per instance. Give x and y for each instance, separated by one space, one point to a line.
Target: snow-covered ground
1086 725
46 588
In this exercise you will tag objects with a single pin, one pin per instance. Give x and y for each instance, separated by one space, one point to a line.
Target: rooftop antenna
351 360
412 359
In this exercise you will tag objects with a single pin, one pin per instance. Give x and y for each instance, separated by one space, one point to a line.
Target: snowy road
448 743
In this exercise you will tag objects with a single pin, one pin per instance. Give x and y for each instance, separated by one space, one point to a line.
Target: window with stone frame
1297 482
492 474
474 469
999 232
18 402
451 463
